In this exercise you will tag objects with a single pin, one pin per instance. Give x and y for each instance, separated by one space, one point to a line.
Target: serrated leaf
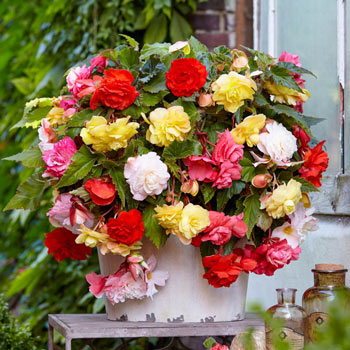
310 121
228 247
197 46
248 170
34 115
78 119
184 149
31 157
156 84
264 221
223 196
129 58
29 194
154 49
260 100
306 186
82 162
151 100
207 191
135 111
132 42
251 212
81 193
281 76
152 228
117 175
174 168
295 69
180 29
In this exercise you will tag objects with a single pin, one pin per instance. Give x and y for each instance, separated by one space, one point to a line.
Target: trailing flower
210 147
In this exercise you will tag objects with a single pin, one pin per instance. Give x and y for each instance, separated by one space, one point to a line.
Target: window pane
347 95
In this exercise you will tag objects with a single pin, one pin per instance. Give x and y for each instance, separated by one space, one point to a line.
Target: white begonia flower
147 175
278 143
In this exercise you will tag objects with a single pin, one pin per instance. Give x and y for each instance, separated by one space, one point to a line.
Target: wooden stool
93 326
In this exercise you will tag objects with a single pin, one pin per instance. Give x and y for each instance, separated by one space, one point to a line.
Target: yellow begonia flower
232 89
168 125
284 199
248 131
107 137
194 219
56 117
91 238
169 217
282 94
119 248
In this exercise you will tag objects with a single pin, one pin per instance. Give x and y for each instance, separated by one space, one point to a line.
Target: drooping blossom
278 143
186 76
222 227
201 168
168 125
315 163
127 228
228 172
59 157
69 212
147 175
100 62
205 100
76 74
106 137
102 190
154 277
61 244
67 105
224 270
97 284
115 90
190 187
231 90
47 136
303 139
88 86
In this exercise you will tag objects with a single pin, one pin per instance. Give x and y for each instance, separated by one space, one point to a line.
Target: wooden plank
98 326
334 196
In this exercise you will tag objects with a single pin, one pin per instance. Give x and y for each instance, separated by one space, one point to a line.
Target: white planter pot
186 297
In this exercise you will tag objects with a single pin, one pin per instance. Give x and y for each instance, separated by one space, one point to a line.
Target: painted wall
330 244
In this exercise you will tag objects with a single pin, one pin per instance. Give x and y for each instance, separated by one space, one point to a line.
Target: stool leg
51 347
68 344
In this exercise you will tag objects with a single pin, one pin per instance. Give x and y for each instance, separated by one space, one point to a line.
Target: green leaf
223 196
151 100
129 58
29 194
281 76
174 168
152 228
208 192
135 111
306 186
295 69
98 306
251 211
197 46
157 30
154 49
132 42
180 29
78 119
34 115
248 170
228 247
156 84
82 162
207 249
117 175
209 343
180 150
31 157
24 280
23 84
260 100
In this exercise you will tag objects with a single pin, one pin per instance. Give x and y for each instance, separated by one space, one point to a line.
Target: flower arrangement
211 147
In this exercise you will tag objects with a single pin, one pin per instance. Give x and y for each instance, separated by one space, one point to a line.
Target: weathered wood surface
79 326
334 196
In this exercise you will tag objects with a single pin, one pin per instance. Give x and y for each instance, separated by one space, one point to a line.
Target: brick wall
214 23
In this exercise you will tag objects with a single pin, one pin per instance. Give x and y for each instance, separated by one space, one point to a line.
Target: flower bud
239 60
261 180
305 200
205 100
190 187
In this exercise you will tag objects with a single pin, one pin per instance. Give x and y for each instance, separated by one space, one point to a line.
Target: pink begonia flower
76 74
147 175
59 157
134 289
228 172
97 284
200 168
281 253
222 227
220 347
88 85
100 62
47 136
227 149
69 212
67 104
154 278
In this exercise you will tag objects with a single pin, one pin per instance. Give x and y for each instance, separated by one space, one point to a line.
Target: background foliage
39 41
